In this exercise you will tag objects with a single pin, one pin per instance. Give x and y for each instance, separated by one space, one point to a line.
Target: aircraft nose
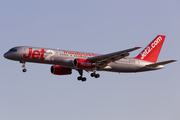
6 55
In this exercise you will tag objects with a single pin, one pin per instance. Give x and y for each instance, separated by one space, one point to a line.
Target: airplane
63 61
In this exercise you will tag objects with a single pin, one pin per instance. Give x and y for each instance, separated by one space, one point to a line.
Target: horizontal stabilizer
160 63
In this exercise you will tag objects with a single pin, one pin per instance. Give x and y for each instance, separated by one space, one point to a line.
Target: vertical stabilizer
151 52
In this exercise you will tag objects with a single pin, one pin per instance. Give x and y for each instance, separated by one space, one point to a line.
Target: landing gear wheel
83 79
24 70
79 78
81 74
93 74
97 76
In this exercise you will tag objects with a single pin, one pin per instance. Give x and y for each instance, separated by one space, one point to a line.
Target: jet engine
58 70
82 63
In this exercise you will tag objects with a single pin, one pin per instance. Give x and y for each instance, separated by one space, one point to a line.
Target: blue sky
98 26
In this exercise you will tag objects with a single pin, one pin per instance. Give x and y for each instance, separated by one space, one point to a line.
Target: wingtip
174 60
138 47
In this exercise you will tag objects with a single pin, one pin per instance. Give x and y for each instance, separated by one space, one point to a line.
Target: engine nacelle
82 63
58 70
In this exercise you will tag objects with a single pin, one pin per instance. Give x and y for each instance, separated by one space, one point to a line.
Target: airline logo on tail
150 47
151 52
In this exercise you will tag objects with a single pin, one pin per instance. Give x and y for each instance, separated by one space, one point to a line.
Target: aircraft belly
120 67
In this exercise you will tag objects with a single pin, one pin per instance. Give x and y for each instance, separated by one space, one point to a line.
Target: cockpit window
14 50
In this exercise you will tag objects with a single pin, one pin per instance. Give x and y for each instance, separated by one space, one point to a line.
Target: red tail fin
151 52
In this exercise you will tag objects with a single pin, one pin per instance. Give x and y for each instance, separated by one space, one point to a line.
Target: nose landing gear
23 66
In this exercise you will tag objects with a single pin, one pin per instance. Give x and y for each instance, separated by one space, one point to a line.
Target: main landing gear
84 78
81 78
95 75
23 66
81 74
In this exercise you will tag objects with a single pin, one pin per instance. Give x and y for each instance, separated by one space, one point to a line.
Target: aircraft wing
102 60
